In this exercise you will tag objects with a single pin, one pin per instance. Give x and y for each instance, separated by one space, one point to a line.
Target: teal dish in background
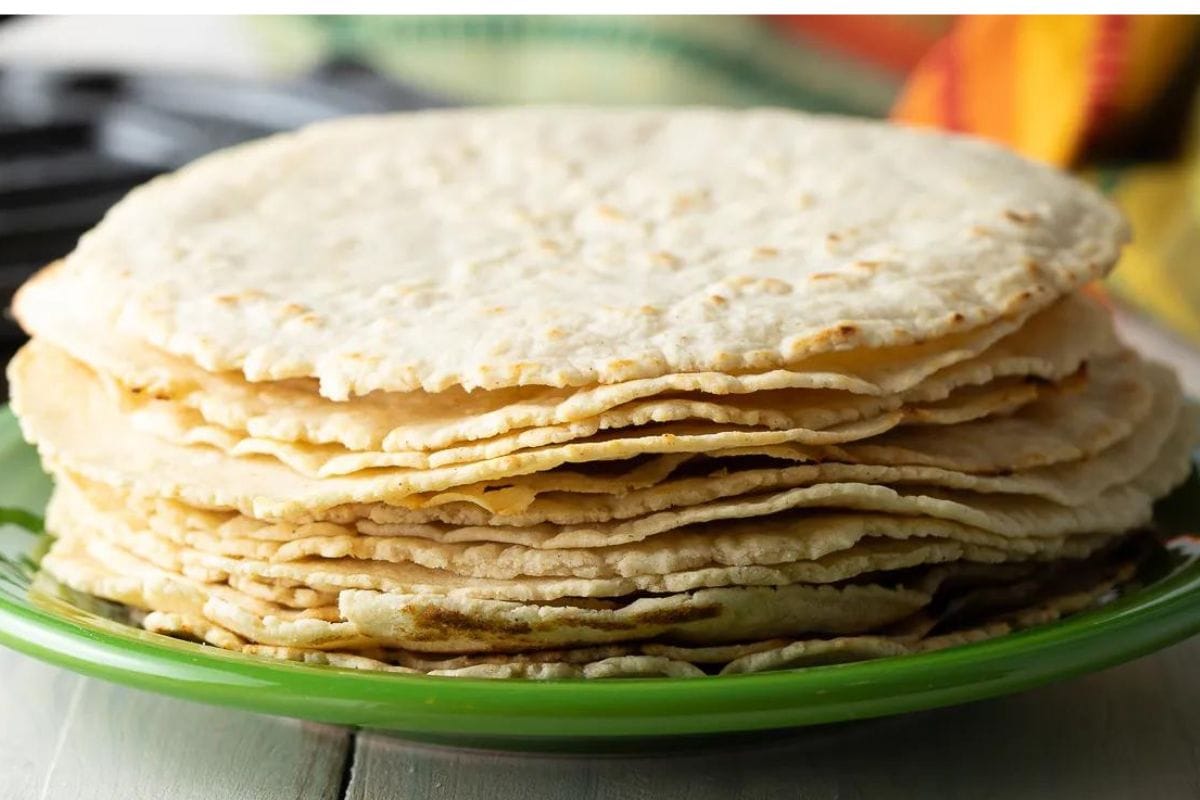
80 634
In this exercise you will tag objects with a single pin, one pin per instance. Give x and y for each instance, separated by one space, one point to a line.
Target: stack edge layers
576 393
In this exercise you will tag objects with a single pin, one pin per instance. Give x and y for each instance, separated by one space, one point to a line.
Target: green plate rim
1133 625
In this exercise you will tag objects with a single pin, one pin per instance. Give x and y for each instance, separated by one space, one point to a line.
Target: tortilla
756 239
78 427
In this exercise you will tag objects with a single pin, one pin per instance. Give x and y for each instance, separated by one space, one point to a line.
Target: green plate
79 636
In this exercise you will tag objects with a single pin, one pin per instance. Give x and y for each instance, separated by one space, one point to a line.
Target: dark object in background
73 143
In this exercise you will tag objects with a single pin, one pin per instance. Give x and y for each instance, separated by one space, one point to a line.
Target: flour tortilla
491 247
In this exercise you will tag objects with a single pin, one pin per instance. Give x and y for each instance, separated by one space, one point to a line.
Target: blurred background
91 106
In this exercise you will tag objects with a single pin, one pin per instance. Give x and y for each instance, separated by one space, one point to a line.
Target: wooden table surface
1126 733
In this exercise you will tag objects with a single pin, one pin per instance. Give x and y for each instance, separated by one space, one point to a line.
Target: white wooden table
1127 733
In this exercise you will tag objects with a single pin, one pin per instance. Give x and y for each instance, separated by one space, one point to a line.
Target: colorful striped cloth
1108 94
1050 86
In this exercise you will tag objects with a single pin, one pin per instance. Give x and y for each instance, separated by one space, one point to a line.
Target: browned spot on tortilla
608 624
445 622
1020 217
846 329
687 202
764 252
664 259
678 616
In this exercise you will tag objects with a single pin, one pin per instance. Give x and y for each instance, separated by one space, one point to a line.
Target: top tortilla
565 247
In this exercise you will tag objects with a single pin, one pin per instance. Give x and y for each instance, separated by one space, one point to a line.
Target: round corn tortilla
768 551
1120 393
648 658
1068 483
765 541
655 659
79 427
492 247
182 426
706 617
486 405
1049 345
99 568
442 624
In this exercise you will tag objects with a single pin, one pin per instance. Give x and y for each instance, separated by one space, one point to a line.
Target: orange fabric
989 101
1046 85
893 42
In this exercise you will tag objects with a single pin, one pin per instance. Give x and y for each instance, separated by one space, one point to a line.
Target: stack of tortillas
570 392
